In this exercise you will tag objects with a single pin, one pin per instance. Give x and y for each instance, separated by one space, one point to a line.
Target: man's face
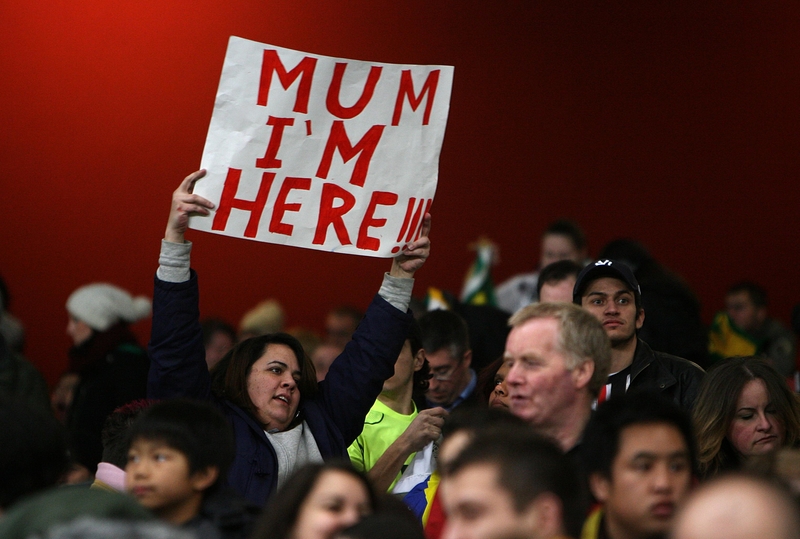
650 477
614 305
450 376
477 507
557 247
558 291
542 389
743 312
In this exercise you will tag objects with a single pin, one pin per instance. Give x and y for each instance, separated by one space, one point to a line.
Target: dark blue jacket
335 415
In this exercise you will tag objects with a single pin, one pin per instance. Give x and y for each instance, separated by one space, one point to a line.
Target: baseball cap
605 268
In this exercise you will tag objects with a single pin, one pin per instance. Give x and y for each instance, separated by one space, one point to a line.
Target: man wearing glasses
445 339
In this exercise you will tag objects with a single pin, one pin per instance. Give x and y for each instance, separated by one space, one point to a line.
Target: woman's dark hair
229 376
715 409
281 512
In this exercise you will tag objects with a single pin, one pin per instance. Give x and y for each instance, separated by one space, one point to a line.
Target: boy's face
650 476
158 476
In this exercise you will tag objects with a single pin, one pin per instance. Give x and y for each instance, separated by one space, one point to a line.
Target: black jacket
671 376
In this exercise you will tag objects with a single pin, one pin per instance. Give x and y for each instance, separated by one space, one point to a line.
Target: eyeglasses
443 374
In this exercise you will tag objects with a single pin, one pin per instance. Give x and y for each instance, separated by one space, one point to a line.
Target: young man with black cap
609 290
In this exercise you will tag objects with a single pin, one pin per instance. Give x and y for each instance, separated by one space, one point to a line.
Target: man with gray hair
559 358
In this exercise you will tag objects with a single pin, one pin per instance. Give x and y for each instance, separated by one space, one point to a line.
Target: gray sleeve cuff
397 291
173 262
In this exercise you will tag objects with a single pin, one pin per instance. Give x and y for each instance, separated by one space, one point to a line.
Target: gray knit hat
101 305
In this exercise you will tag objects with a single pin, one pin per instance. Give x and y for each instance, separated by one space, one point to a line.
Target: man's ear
467 358
582 374
600 487
545 514
639 319
419 360
202 479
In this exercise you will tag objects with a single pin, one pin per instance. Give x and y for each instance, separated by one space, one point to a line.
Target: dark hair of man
33 451
115 431
715 408
196 429
282 509
444 329
348 311
479 418
528 465
229 376
756 293
602 435
212 326
423 375
565 227
556 272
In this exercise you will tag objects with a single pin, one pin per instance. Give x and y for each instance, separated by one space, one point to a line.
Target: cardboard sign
323 153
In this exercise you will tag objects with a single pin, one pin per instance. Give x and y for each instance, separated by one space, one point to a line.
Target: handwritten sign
323 153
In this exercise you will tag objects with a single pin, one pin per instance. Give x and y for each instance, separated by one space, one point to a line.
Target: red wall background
675 123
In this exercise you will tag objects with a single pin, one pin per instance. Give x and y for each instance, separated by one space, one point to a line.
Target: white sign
324 153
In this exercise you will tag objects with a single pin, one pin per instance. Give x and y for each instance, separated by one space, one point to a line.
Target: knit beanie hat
101 305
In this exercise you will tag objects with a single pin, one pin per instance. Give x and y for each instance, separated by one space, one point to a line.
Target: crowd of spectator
602 409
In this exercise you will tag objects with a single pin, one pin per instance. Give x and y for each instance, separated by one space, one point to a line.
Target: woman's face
499 396
272 386
337 501
756 428
78 331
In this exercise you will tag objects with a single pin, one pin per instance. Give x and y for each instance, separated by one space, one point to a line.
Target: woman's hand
414 255
184 204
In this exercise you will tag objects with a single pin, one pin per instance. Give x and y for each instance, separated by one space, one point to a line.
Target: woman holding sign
266 386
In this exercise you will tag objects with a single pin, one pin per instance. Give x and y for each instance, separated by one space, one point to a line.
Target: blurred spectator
745 329
265 318
33 451
340 324
112 367
562 240
11 329
218 338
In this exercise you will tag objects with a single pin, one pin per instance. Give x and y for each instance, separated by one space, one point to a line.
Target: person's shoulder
679 364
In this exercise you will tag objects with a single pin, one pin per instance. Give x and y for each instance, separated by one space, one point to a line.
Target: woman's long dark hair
715 409
280 514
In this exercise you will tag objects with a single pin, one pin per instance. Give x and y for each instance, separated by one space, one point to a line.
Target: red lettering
270 159
427 210
416 221
229 201
407 90
407 218
332 215
364 241
332 101
272 64
276 224
364 149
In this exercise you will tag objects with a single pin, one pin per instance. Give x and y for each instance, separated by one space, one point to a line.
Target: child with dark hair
178 456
